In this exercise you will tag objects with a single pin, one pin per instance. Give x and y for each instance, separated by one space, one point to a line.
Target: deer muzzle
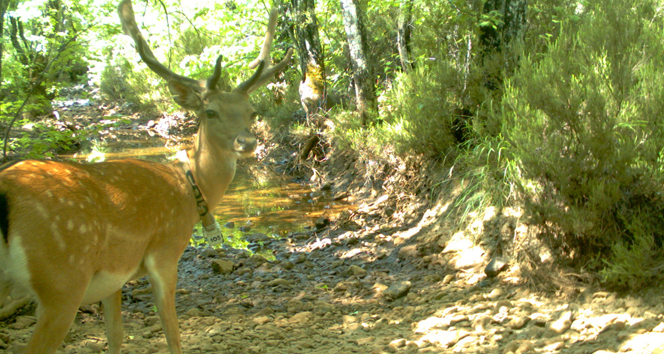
245 143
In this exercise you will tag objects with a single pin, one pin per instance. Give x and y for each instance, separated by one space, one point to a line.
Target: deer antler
130 28
262 74
266 71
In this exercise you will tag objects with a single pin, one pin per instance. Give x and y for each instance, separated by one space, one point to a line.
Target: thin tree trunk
403 34
312 61
497 42
365 95
3 8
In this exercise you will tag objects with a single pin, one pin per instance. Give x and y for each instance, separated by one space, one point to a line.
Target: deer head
225 117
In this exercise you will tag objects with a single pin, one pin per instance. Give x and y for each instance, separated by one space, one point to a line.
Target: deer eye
211 114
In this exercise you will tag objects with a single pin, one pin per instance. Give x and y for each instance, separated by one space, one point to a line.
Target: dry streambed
346 293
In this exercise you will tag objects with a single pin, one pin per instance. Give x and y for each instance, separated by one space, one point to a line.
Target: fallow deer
76 233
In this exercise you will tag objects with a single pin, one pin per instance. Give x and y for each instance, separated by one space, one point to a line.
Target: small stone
301 318
229 225
278 282
193 312
286 265
495 267
94 346
222 266
297 258
562 324
397 290
495 294
255 261
357 271
321 223
261 320
23 322
151 321
209 252
518 322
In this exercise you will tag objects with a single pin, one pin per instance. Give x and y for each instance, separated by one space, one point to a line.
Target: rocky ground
363 285
349 292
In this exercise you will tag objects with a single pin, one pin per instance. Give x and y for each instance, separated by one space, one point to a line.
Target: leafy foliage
584 123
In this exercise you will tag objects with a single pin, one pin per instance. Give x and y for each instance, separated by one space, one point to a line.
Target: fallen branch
10 309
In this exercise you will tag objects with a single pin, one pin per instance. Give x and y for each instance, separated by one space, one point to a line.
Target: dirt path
348 292
364 290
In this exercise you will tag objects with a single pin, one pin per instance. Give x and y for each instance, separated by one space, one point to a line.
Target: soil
374 280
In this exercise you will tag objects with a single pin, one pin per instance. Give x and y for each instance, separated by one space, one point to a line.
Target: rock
301 318
518 322
448 278
209 252
495 267
321 223
255 261
244 271
357 271
397 290
261 320
561 325
24 322
192 312
258 237
229 225
222 266
151 320
278 282
286 265
297 257
94 346
409 251
495 294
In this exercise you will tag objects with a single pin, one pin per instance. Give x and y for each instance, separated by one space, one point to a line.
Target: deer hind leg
163 276
113 317
53 321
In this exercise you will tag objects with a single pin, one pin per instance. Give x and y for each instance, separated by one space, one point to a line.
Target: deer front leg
113 317
163 276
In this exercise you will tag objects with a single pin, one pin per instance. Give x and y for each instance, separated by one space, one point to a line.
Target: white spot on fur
55 230
41 211
70 225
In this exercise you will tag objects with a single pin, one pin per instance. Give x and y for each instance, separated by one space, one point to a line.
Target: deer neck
213 170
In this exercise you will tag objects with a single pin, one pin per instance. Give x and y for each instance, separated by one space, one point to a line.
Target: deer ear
184 95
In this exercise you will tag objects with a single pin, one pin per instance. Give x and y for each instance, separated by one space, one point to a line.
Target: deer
74 234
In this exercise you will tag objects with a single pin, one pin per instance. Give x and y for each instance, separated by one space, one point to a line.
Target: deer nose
245 142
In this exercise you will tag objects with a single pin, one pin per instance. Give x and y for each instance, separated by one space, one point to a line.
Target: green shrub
585 124
417 116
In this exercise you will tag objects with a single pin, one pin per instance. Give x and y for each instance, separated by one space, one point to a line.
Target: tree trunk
4 4
403 34
312 61
365 95
497 41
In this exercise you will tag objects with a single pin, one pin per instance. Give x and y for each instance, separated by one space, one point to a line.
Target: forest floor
362 284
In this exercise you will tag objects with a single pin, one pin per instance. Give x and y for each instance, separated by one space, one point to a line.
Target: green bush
417 116
585 124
